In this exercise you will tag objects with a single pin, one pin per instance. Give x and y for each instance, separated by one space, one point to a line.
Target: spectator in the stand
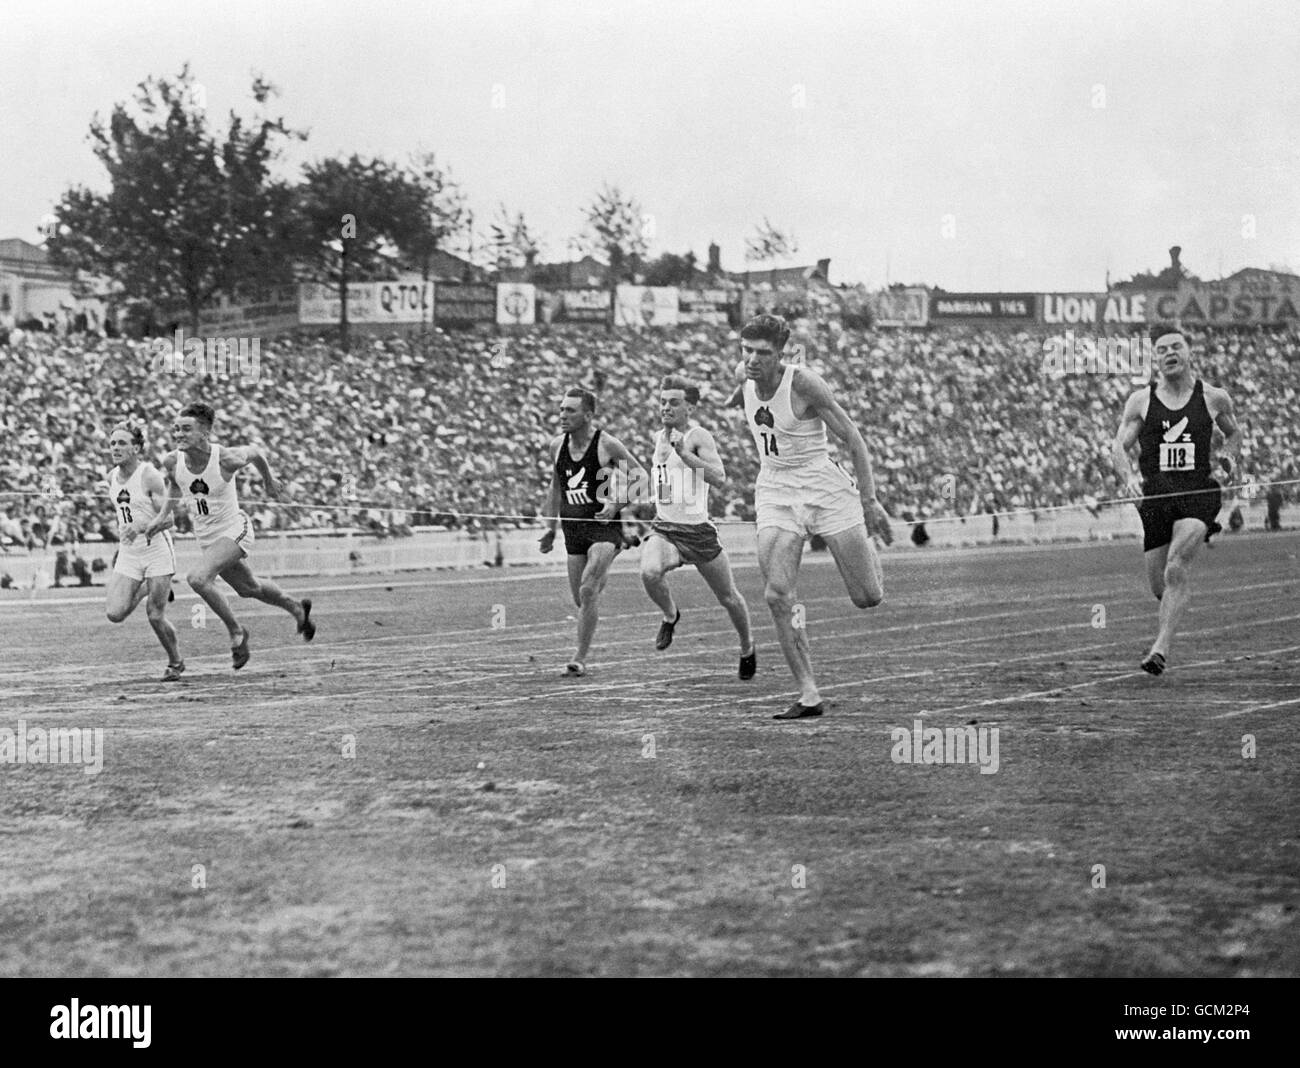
956 402
1273 499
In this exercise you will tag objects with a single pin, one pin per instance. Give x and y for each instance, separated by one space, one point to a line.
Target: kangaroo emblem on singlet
763 417
200 490
577 491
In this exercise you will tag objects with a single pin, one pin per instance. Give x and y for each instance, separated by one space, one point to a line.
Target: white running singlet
130 502
783 441
212 501
680 492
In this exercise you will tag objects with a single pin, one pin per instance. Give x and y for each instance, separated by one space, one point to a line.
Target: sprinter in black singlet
1172 421
590 476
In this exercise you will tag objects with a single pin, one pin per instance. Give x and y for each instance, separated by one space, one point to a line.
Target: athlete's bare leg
577 564
599 556
1189 536
123 596
779 555
159 587
246 584
859 565
1156 560
717 573
658 557
217 558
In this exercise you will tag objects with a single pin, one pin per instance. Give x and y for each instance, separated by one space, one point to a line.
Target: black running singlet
579 480
1175 445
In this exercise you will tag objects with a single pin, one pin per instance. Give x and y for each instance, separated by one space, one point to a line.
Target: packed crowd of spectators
452 428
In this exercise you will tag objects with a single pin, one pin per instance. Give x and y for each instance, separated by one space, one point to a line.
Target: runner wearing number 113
1172 422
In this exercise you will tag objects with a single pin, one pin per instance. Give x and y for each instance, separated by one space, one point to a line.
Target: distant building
585 273
448 267
785 277
32 288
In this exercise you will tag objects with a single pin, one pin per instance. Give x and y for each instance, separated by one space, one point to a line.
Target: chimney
1174 253
715 259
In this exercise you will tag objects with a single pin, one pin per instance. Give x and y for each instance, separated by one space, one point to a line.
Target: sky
980 146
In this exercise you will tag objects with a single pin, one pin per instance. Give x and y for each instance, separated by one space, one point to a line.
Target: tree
769 245
670 270
354 216
439 208
512 243
616 228
186 216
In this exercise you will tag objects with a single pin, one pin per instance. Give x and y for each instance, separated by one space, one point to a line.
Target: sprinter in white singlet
801 491
686 463
145 561
203 474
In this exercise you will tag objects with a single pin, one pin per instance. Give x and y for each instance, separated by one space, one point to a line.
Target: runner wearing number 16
203 473
1172 421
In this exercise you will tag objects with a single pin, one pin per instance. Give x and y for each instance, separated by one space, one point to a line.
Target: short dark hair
134 430
586 396
205 413
767 328
691 390
1159 330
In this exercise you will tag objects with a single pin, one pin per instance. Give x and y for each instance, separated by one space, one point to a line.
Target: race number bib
1177 455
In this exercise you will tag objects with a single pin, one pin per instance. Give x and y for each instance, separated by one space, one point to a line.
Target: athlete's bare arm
737 398
156 490
816 396
1220 405
163 519
552 515
233 460
702 455
613 455
1130 426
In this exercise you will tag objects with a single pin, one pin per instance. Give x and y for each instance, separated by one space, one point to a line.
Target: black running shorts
582 535
1160 513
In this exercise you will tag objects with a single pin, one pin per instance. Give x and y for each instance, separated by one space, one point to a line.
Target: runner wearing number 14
1172 422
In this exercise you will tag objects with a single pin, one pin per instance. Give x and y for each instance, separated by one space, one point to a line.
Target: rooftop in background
784 276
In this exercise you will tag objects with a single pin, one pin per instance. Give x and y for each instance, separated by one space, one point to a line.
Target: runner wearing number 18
1172 422
145 561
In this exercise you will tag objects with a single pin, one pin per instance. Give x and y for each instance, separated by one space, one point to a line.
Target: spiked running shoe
307 628
665 636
